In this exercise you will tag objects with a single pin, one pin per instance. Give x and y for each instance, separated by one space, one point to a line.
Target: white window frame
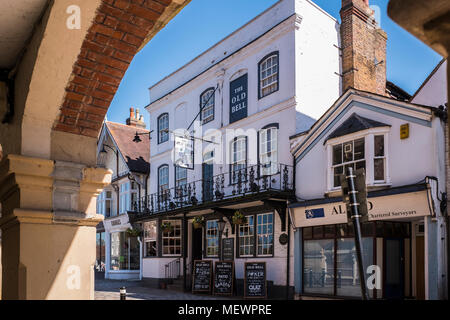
159 178
369 155
150 236
263 143
164 235
208 109
125 192
265 234
263 78
249 234
210 236
237 162
163 136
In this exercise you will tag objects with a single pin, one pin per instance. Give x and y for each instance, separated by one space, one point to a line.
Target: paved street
109 290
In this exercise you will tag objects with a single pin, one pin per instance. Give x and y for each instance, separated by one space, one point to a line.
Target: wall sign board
255 284
224 278
202 276
239 98
228 249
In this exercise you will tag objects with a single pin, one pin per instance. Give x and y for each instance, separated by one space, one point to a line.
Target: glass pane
348 151
360 165
337 172
319 266
307 233
379 146
337 154
318 232
347 281
359 149
378 167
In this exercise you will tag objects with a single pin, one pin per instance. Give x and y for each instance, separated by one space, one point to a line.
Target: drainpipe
141 262
288 269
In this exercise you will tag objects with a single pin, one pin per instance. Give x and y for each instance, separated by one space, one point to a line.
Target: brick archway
119 30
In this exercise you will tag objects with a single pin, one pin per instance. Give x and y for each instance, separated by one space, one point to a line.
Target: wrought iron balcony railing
242 182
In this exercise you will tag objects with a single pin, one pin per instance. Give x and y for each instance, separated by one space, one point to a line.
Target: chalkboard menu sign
201 281
228 249
255 285
238 98
224 278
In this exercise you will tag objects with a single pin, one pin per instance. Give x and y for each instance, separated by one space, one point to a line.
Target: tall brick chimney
135 119
363 48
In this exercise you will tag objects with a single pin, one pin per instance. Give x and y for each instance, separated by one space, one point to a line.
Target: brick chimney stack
363 48
135 119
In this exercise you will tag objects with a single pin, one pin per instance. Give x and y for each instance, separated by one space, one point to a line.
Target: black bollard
123 293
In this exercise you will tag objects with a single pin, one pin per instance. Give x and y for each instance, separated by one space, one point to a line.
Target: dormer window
358 143
345 155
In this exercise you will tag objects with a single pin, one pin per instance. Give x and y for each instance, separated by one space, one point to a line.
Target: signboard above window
239 98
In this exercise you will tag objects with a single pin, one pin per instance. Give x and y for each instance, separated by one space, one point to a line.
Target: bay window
128 196
367 151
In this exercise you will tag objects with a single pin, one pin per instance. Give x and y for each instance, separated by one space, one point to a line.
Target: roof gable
136 155
354 124
418 114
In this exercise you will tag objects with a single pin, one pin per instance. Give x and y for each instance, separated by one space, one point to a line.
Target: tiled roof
136 155
353 124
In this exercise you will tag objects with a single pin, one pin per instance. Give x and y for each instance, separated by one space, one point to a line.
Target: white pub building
241 170
247 94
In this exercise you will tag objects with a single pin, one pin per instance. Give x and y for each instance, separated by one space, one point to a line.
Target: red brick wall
362 44
119 29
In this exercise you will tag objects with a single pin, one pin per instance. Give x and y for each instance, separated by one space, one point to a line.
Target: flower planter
197 225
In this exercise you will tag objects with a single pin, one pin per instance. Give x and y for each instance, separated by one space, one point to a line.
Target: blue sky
202 23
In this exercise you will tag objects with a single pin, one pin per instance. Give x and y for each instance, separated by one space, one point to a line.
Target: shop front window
319 267
100 252
124 252
347 276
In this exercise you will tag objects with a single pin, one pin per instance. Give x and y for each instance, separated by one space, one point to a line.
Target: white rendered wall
434 91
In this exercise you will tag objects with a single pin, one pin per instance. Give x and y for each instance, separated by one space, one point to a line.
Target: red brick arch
118 31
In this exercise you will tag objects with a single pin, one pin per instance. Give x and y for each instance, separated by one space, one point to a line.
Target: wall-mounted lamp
137 139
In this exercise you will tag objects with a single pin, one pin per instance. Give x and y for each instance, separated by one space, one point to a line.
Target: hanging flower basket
134 233
198 222
239 218
166 227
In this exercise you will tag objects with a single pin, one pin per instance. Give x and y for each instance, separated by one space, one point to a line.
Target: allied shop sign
392 207
239 98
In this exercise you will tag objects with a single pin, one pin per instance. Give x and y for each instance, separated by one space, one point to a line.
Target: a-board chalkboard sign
224 278
202 276
255 285
228 249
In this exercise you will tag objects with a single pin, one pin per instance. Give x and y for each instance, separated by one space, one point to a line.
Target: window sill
372 187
